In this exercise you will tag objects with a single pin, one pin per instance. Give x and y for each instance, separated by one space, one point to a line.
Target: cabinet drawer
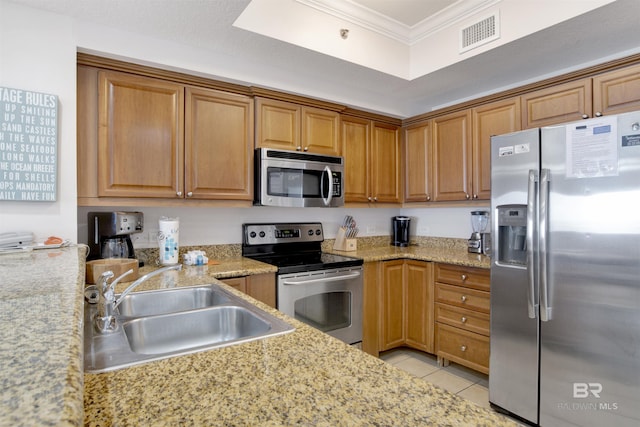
463 297
463 347
476 278
472 321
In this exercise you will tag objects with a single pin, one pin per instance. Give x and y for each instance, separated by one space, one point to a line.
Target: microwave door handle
326 201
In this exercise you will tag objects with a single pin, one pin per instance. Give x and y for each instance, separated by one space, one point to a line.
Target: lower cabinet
406 296
260 286
462 307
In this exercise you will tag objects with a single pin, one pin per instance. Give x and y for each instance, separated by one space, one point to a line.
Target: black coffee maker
400 230
109 234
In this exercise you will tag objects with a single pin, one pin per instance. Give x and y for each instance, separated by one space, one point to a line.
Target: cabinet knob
179 194
189 194
463 348
463 320
464 298
298 148
428 198
467 196
475 196
585 116
375 199
306 148
598 114
463 277
369 198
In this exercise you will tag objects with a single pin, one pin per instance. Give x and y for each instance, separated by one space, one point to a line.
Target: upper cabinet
288 126
558 104
417 163
612 92
617 91
452 156
148 138
496 118
371 153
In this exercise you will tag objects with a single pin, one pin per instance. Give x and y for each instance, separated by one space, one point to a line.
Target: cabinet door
452 157
496 118
558 104
385 172
617 91
140 139
218 145
419 305
263 288
392 333
355 149
320 131
277 124
417 163
371 308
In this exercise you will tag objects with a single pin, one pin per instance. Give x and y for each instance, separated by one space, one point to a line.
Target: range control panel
261 234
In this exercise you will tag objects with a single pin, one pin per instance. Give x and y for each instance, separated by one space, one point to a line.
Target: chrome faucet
105 320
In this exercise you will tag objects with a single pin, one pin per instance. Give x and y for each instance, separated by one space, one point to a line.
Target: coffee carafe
479 221
400 230
109 234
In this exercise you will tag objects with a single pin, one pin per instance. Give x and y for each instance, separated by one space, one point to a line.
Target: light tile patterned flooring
471 385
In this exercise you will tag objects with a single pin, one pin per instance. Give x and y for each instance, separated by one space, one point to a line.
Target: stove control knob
318 232
262 234
252 234
310 232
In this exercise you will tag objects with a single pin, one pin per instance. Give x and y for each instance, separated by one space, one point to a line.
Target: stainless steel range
320 289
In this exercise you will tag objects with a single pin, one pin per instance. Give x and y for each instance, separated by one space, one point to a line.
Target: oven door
328 300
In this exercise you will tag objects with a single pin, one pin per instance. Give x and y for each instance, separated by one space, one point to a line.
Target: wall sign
28 145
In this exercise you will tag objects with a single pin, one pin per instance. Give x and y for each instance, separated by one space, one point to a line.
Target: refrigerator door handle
545 306
532 303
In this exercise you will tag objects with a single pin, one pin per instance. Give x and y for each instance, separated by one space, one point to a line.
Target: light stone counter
41 337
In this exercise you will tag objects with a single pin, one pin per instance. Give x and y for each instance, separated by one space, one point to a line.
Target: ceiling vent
479 33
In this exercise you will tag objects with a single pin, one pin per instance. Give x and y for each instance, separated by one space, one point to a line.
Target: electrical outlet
371 229
139 238
152 236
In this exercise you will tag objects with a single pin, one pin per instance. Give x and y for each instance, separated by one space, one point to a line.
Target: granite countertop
304 377
41 303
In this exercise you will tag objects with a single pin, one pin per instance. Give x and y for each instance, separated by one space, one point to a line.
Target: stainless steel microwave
295 179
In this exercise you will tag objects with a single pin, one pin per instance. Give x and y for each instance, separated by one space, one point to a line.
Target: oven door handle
324 279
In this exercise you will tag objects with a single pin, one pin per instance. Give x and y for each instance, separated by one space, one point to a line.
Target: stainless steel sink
191 329
148 303
154 325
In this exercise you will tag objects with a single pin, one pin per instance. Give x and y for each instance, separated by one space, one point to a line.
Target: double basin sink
153 325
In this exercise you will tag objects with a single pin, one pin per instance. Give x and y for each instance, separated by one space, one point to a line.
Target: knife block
344 244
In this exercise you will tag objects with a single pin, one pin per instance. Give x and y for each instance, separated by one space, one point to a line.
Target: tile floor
458 379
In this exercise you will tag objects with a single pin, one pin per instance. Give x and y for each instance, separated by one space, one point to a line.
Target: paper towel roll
168 235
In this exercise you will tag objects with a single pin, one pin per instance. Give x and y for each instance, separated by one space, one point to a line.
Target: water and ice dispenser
512 234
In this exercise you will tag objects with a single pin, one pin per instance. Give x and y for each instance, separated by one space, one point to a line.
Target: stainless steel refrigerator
565 273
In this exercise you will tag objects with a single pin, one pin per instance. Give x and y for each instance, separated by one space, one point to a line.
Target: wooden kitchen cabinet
147 138
557 104
371 154
140 136
288 126
218 145
406 305
462 313
418 159
452 150
260 286
617 91
491 119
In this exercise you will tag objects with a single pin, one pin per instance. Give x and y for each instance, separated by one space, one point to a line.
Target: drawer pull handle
464 298
463 277
463 320
463 348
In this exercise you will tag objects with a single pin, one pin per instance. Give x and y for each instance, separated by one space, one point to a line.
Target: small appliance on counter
479 221
400 230
109 234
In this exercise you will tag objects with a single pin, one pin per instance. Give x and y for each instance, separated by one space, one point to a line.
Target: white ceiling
608 32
